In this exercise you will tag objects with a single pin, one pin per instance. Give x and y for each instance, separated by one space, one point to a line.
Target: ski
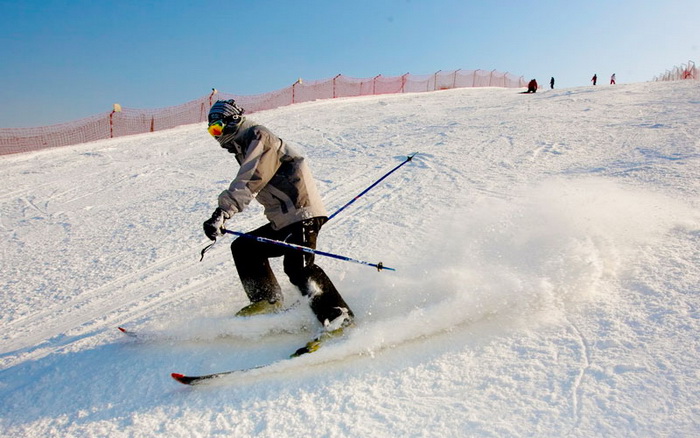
129 333
196 380
308 348
136 334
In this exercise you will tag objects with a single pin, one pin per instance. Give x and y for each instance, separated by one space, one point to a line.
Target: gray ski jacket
273 173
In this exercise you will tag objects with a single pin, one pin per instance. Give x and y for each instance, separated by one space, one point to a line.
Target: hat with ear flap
227 111
225 117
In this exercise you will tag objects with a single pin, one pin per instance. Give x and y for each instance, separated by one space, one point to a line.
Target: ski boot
260 308
331 329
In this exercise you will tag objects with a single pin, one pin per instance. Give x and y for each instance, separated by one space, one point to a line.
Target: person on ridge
551 83
278 177
532 86
594 79
612 79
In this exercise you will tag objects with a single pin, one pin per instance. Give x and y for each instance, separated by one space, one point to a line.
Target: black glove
214 226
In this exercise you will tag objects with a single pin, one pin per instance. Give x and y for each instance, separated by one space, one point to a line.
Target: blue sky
64 60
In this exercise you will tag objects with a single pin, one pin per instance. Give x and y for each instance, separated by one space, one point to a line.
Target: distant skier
532 86
594 79
551 83
278 177
612 79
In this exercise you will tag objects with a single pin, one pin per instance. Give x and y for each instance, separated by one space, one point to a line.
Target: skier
594 79
612 79
551 83
275 174
532 86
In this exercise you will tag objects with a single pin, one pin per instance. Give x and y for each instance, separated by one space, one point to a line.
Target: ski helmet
224 117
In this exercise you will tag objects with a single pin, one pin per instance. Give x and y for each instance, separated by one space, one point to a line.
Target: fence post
299 81
334 95
474 80
374 85
116 108
434 81
454 79
204 112
403 83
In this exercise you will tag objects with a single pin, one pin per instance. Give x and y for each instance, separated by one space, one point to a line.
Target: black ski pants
259 282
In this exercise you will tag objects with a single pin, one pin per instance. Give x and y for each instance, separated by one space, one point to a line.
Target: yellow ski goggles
216 128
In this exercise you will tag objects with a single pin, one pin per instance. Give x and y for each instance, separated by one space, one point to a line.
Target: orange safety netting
680 72
120 122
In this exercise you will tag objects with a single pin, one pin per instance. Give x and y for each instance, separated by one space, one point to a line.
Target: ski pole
379 265
409 158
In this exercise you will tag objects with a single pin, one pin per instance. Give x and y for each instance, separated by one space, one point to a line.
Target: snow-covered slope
547 256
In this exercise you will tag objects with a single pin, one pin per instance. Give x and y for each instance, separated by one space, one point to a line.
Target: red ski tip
127 332
177 376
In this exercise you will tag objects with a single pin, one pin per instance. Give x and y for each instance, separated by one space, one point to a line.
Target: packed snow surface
547 283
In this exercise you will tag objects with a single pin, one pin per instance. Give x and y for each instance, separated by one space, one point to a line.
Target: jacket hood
227 138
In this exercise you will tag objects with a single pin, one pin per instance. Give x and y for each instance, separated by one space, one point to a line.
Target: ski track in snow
531 236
